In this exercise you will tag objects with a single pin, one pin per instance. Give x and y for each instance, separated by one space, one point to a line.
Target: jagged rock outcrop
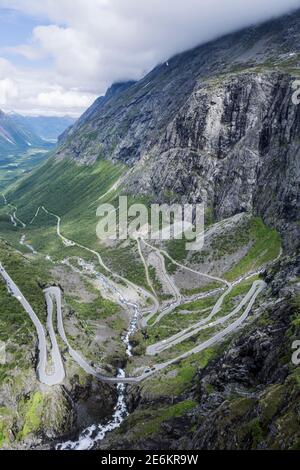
235 146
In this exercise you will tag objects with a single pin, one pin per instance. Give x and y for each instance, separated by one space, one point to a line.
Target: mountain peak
118 87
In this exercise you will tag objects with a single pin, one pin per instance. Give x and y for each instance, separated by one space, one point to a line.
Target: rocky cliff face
235 146
215 124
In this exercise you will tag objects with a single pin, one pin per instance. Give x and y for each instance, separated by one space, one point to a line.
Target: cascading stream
96 433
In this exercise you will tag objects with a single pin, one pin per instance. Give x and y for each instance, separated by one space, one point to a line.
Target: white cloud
93 43
5 67
38 92
8 87
64 99
27 51
8 91
71 50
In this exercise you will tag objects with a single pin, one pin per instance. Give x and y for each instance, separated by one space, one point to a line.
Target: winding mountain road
49 372
184 335
52 372
259 287
70 243
29 247
250 298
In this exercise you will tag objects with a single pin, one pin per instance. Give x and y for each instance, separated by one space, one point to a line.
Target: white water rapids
95 433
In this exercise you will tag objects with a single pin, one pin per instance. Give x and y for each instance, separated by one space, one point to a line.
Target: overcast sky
57 56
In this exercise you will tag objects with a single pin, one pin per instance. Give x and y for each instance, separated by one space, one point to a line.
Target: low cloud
64 99
92 43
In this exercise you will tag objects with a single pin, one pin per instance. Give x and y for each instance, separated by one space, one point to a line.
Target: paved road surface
48 374
184 335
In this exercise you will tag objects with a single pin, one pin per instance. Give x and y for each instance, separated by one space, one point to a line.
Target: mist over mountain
66 54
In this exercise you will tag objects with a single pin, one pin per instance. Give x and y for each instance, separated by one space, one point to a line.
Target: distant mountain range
19 133
16 136
46 127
